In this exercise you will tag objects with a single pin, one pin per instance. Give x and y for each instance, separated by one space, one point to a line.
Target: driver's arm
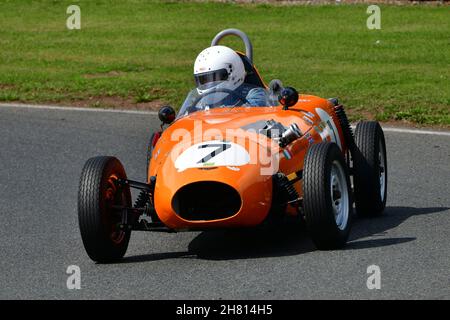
257 97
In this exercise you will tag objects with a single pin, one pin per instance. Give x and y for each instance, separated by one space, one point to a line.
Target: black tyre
370 169
99 224
327 200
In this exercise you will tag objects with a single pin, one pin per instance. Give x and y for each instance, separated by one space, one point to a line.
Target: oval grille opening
206 200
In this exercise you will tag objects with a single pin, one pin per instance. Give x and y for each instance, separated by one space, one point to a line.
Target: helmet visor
209 79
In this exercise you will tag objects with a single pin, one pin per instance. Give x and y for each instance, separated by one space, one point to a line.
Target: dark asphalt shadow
378 226
365 244
286 240
255 243
156 257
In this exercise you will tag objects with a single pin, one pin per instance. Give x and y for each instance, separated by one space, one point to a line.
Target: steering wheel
202 95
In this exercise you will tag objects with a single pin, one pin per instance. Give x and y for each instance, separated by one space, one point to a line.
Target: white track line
417 131
46 107
413 131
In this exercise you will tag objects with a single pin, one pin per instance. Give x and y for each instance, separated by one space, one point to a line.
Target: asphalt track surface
41 156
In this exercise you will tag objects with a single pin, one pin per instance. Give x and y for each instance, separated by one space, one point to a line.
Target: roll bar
238 33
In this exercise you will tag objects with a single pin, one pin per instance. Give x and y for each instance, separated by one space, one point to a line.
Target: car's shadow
288 239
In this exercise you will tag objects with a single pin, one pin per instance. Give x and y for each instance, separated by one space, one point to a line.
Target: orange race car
239 154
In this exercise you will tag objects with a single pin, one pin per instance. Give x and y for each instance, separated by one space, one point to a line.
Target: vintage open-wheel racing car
217 166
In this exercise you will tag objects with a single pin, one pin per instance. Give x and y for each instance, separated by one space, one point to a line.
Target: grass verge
140 53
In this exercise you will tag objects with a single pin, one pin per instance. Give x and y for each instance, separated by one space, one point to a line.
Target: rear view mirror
288 97
166 114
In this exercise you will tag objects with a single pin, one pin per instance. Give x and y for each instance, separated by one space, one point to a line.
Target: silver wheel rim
339 195
381 159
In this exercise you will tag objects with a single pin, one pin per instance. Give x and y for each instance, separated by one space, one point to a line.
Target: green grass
144 51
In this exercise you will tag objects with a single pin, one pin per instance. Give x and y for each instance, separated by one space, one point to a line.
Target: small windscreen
218 96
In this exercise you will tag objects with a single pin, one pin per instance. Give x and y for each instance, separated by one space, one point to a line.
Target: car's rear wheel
103 238
370 169
327 200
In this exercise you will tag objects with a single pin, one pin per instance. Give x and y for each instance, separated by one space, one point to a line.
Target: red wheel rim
112 198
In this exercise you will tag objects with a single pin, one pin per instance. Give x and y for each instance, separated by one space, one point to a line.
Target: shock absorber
288 192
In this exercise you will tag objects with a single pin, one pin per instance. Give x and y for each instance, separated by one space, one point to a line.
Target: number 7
220 148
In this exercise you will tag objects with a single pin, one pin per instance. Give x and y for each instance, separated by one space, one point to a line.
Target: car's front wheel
99 222
327 200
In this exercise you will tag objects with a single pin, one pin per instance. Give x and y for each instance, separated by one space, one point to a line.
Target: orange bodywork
314 116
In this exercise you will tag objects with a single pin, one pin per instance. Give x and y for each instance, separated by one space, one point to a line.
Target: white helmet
218 67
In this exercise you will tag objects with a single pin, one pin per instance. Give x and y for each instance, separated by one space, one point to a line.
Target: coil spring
346 128
288 192
143 201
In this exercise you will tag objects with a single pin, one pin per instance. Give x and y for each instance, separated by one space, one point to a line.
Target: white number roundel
213 153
